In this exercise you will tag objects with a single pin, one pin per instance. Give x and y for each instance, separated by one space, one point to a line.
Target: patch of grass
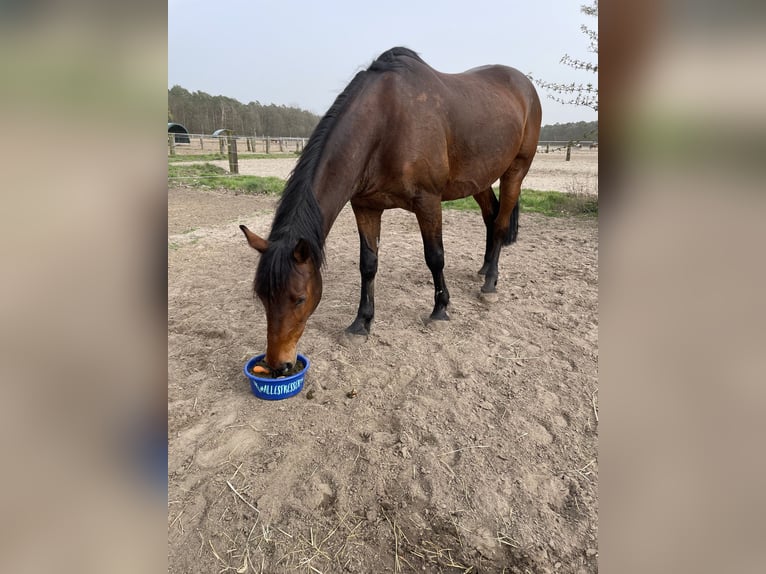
209 176
557 204
196 157
462 204
550 203
195 170
256 184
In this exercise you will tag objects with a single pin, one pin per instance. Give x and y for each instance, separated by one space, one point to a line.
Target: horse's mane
392 59
298 216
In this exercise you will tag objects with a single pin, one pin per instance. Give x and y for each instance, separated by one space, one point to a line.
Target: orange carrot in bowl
259 370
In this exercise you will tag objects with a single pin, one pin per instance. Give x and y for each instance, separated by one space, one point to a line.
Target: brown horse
400 135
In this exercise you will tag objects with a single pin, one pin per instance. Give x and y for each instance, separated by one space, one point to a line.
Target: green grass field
551 203
206 175
209 176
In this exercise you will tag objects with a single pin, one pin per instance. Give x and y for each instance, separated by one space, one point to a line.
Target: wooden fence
233 145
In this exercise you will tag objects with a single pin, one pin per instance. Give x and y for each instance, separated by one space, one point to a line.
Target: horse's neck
341 170
338 179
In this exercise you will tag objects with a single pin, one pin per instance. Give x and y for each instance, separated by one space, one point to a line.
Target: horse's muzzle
281 369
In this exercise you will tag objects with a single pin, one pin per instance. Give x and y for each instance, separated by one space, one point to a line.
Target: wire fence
549 146
230 146
181 144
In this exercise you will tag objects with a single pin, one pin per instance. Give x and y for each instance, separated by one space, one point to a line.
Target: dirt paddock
466 446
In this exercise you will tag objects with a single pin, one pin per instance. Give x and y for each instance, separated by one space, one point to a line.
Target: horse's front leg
429 214
368 223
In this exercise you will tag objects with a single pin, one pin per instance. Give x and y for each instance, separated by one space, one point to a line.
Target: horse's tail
513 226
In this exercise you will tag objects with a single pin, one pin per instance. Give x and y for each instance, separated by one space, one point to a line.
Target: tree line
201 113
573 131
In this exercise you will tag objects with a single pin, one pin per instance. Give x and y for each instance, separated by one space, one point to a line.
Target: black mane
298 216
391 59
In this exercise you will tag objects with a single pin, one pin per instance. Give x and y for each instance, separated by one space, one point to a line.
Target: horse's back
498 93
455 133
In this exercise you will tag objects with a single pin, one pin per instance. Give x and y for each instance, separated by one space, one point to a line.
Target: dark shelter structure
181 133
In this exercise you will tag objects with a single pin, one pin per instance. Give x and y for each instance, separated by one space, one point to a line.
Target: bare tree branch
584 94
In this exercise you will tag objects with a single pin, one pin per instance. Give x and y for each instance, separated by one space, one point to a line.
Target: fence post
547 148
172 144
201 145
569 151
281 145
233 160
268 142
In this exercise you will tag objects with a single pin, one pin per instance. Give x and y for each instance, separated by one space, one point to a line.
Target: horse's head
289 299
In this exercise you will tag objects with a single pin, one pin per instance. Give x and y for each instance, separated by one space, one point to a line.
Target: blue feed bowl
276 389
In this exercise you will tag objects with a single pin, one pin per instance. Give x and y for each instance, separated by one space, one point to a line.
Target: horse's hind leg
507 218
489 206
429 214
368 223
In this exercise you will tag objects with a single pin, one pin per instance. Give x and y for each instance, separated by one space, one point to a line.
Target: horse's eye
300 301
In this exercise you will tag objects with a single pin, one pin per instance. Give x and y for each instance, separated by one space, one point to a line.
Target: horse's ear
257 243
302 251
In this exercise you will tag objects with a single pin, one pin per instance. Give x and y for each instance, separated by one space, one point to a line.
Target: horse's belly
459 188
376 199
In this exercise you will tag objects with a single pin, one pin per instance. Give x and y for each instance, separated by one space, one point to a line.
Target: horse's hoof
437 320
358 329
352 339
490 284
433 324
439 316
488 297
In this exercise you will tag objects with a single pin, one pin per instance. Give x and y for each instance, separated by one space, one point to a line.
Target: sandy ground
469 444
549 172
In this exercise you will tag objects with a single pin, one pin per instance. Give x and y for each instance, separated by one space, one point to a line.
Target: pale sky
303 53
